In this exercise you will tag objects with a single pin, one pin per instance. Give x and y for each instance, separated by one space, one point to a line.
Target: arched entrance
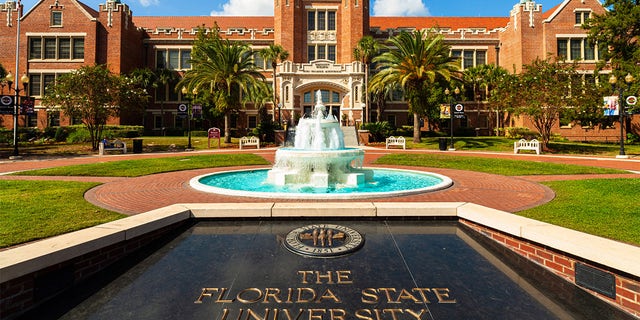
330 98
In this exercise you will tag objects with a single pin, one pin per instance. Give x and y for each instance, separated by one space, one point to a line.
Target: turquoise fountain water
319 164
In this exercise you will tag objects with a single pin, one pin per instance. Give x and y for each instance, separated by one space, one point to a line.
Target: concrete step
350 136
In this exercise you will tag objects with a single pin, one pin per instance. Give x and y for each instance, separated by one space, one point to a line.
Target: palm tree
366 49
227 71
276 54
163 78
414 62
380 91
145 79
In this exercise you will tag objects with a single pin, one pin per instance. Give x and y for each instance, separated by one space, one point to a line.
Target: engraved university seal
323 240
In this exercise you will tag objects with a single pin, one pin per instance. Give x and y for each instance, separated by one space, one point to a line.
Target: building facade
57 36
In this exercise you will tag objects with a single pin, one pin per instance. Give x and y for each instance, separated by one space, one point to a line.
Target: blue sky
265 7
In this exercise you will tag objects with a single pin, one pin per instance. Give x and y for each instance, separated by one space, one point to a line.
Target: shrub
79 136
519 133
379 130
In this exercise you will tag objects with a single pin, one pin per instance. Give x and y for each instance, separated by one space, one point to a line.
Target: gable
593 5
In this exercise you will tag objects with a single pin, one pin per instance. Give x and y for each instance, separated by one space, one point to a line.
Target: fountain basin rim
445 183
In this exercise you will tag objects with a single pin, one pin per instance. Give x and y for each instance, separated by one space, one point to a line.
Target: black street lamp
621 107
16 107
189 113
452 101
280 114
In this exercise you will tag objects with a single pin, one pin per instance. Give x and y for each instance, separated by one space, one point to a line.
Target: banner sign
27 106
611 107
445 111
196 111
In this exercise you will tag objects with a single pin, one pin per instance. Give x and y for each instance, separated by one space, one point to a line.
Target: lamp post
452 101
280 113
184 94
16 107
621 107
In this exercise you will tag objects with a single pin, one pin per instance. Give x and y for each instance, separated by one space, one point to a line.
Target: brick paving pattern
141 194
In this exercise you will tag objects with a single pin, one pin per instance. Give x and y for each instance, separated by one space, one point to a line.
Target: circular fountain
320 164
319 157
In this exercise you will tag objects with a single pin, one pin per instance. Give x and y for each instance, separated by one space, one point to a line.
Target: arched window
330 99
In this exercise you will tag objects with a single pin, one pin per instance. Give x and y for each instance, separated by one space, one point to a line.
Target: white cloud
246 8
146 3
393 8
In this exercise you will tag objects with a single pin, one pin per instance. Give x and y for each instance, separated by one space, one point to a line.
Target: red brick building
57 36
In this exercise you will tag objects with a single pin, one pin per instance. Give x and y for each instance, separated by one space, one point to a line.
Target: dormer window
56 18
582 16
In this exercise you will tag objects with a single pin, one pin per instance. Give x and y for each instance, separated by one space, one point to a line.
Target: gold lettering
289 295
328 276
206 292
288 314
313 316
364 314
328 294
416 315
377 312
344 277
369 295
308 290
392 312
242 299
226 313
422 292
222 293
251 313
337 314
273 293
405 295
304 276
387 292
443 295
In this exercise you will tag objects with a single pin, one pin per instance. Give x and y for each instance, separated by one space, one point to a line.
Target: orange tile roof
454 23
187 23
549 12
226 22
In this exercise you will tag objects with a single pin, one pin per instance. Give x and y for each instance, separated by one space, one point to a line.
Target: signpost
6 104
213 133
458 111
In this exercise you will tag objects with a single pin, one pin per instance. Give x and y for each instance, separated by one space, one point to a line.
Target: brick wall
21 295
563 265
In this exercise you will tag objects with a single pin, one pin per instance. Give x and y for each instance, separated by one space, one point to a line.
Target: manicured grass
34 210
489 165
502 144
141 167
608 208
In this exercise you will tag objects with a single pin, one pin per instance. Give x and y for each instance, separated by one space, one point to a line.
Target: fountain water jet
319 158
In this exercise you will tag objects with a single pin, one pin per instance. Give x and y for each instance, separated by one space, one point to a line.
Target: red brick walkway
136 195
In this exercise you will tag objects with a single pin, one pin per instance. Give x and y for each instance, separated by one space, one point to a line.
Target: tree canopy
93 94
546 90
415 61
225 72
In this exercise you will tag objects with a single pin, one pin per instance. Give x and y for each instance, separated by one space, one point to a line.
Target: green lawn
34 210
608 208
136 168
39 209
489 165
